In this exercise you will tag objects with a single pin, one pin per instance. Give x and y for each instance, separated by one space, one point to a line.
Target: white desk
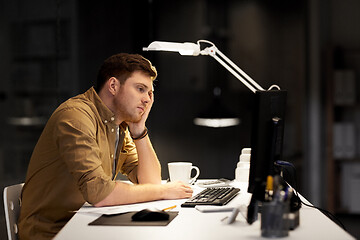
192 224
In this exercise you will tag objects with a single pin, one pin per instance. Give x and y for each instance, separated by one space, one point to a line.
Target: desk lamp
217 116
192 49
268 119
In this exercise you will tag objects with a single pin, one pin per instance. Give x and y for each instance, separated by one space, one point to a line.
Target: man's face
134 98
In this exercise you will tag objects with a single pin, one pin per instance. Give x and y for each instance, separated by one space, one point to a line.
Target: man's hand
137 128
177 190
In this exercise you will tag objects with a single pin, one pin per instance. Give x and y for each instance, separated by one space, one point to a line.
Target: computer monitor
266 137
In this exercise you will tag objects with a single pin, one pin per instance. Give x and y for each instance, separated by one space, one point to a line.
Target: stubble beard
129 116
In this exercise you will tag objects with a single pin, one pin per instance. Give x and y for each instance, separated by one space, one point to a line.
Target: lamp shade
187 48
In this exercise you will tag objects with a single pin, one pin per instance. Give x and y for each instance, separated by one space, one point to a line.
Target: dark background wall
51 50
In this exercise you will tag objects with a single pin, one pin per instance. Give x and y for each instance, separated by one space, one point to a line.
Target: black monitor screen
266 136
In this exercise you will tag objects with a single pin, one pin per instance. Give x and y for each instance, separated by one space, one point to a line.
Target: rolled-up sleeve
78 148
129 158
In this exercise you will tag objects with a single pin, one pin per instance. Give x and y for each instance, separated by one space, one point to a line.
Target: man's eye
141 89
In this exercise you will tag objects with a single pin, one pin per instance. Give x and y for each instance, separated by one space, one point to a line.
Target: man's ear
113 85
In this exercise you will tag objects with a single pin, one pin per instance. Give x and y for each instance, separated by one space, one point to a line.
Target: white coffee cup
181 171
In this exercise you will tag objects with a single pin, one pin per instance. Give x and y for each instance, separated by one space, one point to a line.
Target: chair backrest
12 205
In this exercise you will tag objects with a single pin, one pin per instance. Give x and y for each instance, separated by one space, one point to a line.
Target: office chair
12 205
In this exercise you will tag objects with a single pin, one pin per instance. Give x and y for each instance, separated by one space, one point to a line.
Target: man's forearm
149 169
125 193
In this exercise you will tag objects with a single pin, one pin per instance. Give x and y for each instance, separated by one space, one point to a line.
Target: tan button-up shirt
72 163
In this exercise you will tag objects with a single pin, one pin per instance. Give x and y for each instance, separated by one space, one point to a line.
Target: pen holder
275 219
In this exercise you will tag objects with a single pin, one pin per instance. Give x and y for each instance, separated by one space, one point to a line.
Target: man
87 141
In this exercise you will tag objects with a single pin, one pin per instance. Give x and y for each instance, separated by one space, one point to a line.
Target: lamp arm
234 73
248 78
213 51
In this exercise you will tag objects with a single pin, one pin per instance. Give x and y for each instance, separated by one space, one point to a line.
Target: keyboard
212 196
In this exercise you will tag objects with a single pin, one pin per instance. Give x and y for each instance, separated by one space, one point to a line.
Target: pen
169 208
269 188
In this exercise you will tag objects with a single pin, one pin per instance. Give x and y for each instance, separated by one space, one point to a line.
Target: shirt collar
105 113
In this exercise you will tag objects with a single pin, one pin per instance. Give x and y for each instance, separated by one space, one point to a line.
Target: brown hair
121 66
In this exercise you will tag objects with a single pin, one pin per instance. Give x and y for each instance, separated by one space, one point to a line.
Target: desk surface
192 224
